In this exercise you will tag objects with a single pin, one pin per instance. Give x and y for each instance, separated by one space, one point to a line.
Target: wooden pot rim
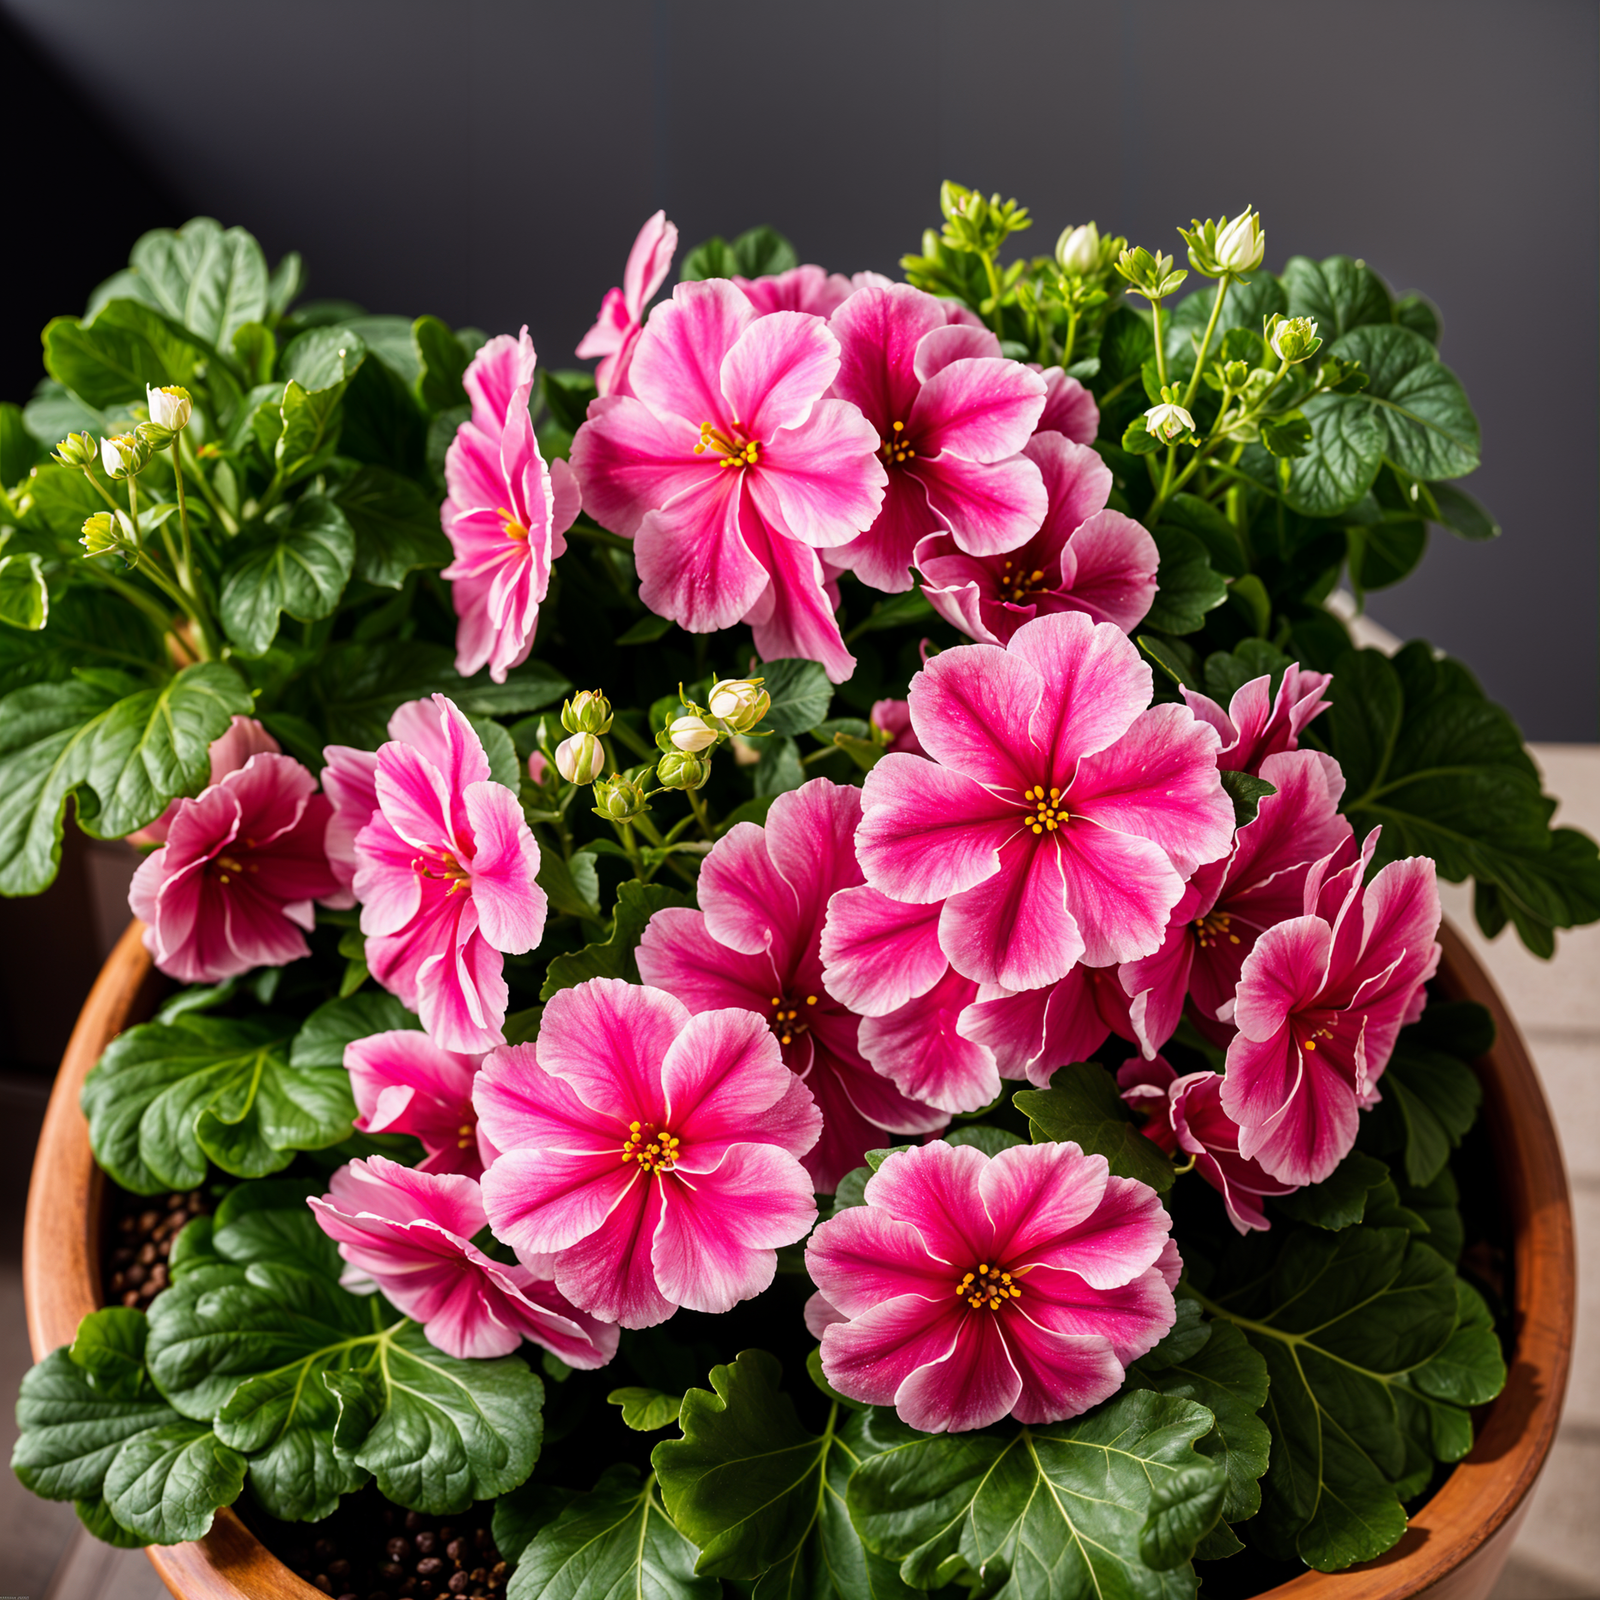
1475 1510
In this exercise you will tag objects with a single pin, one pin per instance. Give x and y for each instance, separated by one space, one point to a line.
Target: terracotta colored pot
1454 1549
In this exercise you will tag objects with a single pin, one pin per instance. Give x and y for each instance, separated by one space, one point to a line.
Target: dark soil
141 1232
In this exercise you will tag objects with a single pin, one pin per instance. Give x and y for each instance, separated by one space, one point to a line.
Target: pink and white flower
404 1083
973 1287
651 1159
1185 1114
245 737
1069 408
730 471
1033 1033
1320 1002
952 416
810 288
1083 558
1060 814
233 886
892 718
1258 724
409 1233
616 330
447 879
755 945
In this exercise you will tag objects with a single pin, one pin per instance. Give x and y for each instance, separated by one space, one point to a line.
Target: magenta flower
1058 818
1083 558
233 886
976 1287
650 1158
1033 1033
755 945
1320 1001
616 330
893 718
1228 904
729 470
1257 724
1185 1114
404 1083
952 416
1069 408
808 288
229 751
505 516
409 1233
446 878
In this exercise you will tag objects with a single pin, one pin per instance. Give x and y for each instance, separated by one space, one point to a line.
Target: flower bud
580 759
1153 276
169 408
1240 243
123 454
538 767
682 769
101 534
1236 374
588 711
739 702
76 450
1293 338
691 734
1078 250
1168 420
619 799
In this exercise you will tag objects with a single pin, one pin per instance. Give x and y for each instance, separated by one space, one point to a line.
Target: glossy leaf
1340 1200
1342 461
1338 293
1082 1104
645 1410
112 359
210 279
165 1485
613 956
396 526
298 563
1429 427
800 694
1187 586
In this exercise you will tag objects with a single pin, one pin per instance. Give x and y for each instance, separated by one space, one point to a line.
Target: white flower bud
740 702
169 408
691 734
1078 249
1294 339
588 711
1168 421
119 454
580 759
1240 243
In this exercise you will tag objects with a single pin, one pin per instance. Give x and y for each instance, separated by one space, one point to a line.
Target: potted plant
577 1115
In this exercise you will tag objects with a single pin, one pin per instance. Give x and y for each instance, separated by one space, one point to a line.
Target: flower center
732 445
1212 929
655 1149
1049 812
1017 586
443 868
227 868
988 1286
1309 1035
897 447
511 528
788 1020
464 1136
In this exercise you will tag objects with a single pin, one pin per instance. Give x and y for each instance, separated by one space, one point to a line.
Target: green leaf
96 1517
1380 554
1186 586
646 631
323 1036
989 1140
297 563
1245 306
1138 440
645 1410
19 450
211 280
779 768
568 395
713 259
1342 460
127 348
1339 294
801 695
124 749
907 610
165 1098
1183 1509
1461 514
1340 1200
572 887
763 253
613 957
110 1347
24 598
321 365
441 361
165 1485
1470 1370
505 766
1429 427
1044 1513
616 1541
1082 1104
1201 520
1246 793
269 1220
1437 1096
396 526
519 1515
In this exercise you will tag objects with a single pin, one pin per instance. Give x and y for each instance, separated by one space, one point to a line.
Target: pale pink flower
893 717
754 944
1069 408
952 416
729 470
1083 558
244 738
409 1233
538 766
977 1287
1258 724
808 288
1185 1114
404 1083
650 1158
1033 1033
616 330
446 877
1229 903
1320 1002
505 516
1060 814
233 886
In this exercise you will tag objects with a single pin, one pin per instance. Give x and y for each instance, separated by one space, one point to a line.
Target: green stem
225 518
994 290
105 495
701 814
631 845
1161 350
1117 388
187 572
1205 343
1069 344
137 597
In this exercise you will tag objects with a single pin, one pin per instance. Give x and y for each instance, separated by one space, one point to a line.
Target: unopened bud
1168 420
77 450
1241 244
1078 249
682 769
1236 374
619 799
169 408
538 767
739 702
580 759
100 534
1293 338
691 734
123 454
588 711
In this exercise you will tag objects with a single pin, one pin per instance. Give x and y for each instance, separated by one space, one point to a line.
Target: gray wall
489 160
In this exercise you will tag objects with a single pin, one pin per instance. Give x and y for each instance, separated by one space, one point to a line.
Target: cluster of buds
1233 245
581 758
976 225
1293 339
1153 276
734 707
1169 420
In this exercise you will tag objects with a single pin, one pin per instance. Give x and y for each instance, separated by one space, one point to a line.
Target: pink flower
616 330
1186 1114
537 766
229 751
232 888
1033 1033
1320 1001
1069 408
1257 724
952 416
1083 558
505 517
764 893
651 1157
409 1232
807 288
1058 818
730 470
446 879
1228 904
893 717
976 1287
404 1083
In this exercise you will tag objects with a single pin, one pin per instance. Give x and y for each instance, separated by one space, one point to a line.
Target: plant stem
187 573
702 816
994 289
105 495
1161 353
1205 343
1069 344
229 523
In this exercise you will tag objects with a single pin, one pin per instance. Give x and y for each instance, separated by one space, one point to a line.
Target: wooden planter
1454 1549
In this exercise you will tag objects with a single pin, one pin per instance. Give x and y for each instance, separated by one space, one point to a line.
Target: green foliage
801 695
298 562
1082 1104
613 956
759 253
645 1410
